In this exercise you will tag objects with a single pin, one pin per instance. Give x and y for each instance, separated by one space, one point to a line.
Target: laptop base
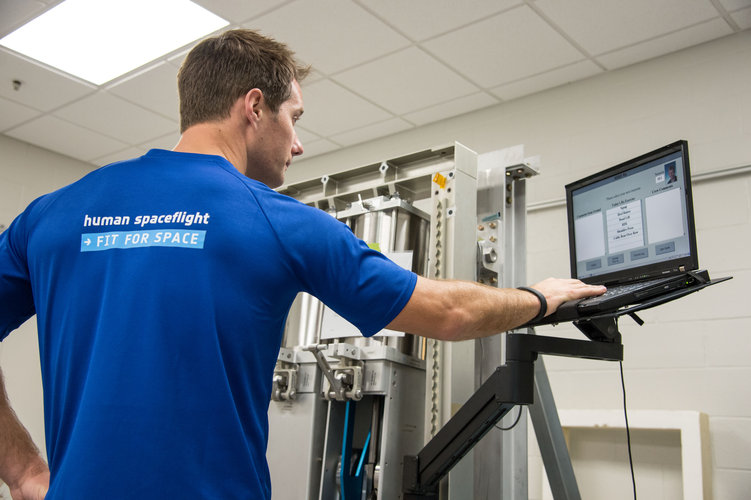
604 327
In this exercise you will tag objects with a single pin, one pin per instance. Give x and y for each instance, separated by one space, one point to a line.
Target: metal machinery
367 403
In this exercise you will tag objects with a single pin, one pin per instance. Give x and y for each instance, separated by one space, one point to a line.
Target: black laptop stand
513 383
604 326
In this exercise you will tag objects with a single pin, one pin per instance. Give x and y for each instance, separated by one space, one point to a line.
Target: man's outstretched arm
460 310
21 467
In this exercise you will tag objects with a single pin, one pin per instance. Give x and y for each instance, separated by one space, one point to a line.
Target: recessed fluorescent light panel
99 40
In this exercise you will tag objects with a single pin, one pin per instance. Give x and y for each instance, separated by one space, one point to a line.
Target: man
671 173
161 287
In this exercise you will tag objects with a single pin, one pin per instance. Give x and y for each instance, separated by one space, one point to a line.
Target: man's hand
34 485
558 291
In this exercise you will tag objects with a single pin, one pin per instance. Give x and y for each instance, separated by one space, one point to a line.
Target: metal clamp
284 386
284 383
343 380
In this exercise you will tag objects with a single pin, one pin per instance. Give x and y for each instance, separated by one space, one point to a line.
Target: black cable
628 432
518 417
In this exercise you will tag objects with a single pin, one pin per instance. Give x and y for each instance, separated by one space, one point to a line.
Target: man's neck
214 138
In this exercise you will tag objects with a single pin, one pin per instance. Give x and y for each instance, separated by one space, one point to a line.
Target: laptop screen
633 221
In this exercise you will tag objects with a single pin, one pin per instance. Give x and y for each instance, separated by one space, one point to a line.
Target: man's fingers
557 291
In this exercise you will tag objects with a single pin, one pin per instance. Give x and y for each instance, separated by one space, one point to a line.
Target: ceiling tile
66 138
550 79
237 12
504 48
305 135
604 25
314 148
332 35
421 19
12 114
371 132
331 109
743 18
509 48
116 118
451 108
406 81
154 89
14 13
41 88
314 76
663 45
177 58
731 5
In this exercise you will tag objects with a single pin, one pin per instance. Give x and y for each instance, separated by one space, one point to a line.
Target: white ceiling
381 66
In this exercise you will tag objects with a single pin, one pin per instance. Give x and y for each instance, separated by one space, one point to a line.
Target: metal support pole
514 449
501 458
550 438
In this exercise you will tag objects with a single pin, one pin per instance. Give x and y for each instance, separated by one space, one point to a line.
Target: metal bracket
600 329
284 386
515 173
489 252
343 380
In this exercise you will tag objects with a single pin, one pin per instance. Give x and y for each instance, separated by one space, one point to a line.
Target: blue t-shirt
161 287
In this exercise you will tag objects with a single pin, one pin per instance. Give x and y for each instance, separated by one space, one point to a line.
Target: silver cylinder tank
392 229
395 230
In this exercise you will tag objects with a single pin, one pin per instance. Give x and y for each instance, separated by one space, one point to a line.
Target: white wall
694 354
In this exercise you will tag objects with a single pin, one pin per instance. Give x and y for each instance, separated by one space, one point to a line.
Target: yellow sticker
440 180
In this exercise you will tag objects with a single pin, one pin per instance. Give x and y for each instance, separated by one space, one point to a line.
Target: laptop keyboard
618 290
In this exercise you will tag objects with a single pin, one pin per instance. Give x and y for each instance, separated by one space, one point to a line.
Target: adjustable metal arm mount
510 385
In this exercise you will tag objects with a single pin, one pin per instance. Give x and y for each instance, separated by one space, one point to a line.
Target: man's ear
254 105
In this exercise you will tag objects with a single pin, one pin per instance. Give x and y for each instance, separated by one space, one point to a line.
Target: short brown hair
220 69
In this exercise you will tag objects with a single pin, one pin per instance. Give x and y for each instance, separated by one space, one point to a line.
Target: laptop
631 228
